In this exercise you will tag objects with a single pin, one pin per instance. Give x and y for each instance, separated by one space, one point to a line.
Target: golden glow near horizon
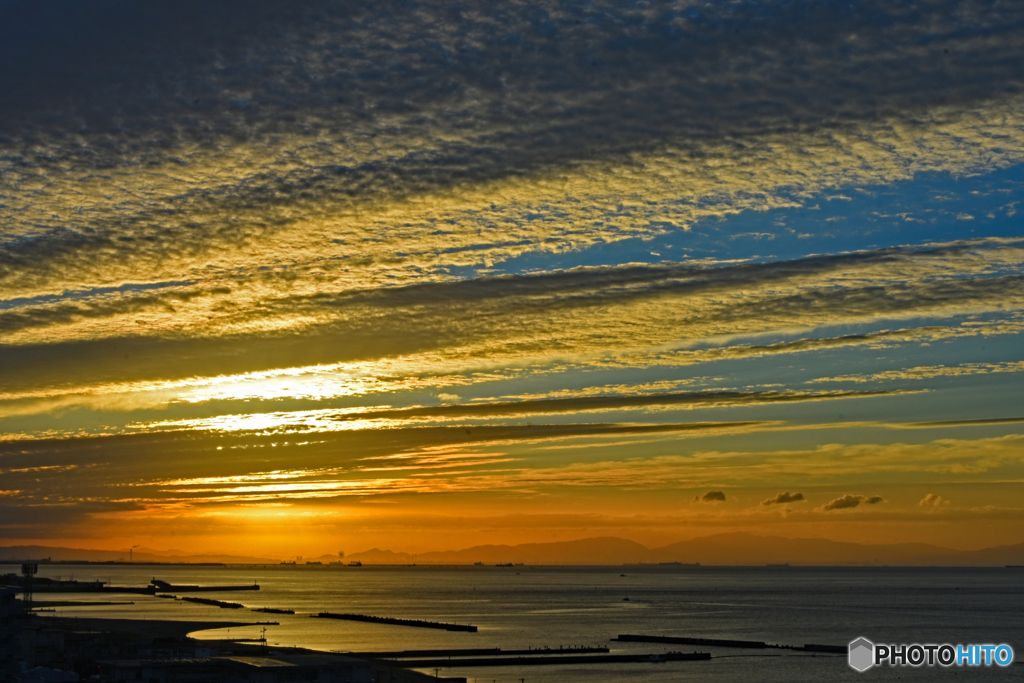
335 280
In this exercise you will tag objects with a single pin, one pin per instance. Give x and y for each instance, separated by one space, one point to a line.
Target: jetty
679 640
396 622
475 652
214 603
408 654
550 660
746 644
157 584
829 649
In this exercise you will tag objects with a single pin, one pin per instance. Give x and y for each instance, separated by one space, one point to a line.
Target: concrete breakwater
719 642
396 622
554 659
205 601
829 649
407 654
680 640
476 652
214 603
157 584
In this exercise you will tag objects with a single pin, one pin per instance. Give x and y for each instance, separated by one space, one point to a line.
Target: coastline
131 648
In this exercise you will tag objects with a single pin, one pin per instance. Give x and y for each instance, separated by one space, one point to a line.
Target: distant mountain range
720 549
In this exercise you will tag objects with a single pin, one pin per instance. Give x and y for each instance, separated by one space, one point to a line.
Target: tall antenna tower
28 570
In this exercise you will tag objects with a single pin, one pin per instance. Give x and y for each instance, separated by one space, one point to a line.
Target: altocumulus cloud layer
341 217
331 145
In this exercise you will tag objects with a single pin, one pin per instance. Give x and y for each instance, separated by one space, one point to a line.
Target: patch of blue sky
932 207
797 371
954 398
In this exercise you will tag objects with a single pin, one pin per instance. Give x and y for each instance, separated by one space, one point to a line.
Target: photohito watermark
864 654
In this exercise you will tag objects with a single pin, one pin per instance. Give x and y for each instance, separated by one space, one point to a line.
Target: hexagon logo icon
862 654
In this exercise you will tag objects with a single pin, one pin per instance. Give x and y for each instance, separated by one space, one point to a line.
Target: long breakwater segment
679 640
554 659
396 622
157 584
477 652
213 603
204 601
407 654
719 642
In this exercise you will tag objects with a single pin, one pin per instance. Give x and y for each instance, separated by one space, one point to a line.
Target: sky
291 278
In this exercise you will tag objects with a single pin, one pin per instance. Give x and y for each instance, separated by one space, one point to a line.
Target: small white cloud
785 497
933 500
850 501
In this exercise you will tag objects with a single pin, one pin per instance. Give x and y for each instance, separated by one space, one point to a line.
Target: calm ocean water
521 607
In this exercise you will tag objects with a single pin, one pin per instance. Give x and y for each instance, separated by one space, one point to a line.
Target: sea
538 607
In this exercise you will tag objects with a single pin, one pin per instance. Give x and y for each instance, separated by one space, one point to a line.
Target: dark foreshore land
113 650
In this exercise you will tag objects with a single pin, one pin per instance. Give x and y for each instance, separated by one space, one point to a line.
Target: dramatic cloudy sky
289 277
